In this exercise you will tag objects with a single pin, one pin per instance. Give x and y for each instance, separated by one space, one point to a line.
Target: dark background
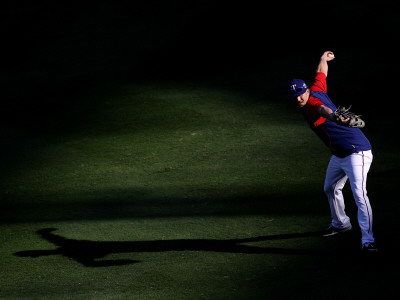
55 51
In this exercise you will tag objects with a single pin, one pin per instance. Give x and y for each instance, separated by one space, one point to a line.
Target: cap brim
295 95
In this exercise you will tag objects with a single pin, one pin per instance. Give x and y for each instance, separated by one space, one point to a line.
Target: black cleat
332 230
369 247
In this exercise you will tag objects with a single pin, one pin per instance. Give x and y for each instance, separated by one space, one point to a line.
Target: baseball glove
353 119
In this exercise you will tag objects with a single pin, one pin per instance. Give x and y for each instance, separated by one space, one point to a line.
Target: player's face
302 99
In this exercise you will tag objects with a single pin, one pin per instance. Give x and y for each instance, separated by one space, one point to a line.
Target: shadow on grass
88 253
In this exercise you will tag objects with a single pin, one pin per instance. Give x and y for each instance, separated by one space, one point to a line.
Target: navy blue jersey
341 140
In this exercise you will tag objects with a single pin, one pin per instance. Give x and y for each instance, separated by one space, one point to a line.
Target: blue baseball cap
296 88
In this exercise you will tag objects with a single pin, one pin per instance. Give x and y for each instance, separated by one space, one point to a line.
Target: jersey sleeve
319 83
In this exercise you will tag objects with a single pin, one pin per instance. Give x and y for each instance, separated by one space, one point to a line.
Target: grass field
168 173
122 182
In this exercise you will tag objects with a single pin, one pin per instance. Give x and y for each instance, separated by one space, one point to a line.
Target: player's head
298 91
296 88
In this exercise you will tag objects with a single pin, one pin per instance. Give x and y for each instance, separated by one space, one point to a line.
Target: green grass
159 142
171 163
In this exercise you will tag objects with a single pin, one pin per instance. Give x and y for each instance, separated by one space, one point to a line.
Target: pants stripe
364 188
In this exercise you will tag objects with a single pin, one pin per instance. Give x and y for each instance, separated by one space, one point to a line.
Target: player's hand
344 120
328 55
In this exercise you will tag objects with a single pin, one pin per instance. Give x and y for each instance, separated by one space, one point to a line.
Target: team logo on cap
294 87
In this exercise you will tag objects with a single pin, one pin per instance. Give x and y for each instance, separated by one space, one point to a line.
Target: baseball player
351 152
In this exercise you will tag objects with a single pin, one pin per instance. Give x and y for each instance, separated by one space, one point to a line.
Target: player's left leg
356 167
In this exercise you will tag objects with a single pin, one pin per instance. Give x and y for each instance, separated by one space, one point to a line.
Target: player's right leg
334 182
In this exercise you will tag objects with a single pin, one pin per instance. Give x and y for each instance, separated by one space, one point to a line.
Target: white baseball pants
354 167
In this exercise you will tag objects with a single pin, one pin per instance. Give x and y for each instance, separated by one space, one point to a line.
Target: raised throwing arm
323 62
